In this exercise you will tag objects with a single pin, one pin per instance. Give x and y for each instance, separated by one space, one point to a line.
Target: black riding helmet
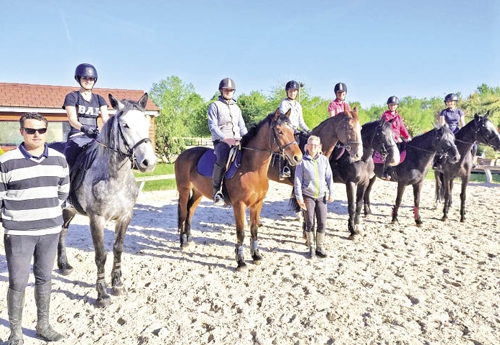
392 99
339 87
292 85
85 70
227 83
451 97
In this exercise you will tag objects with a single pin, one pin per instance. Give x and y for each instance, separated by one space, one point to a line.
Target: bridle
348 145
384 150
129 147
281 148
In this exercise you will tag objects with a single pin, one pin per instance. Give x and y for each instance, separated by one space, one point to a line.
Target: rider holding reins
227 126
83 107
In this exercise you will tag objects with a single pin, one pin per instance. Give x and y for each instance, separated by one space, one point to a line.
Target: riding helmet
451 97
292 85
227 83
339 87
393 99
85 70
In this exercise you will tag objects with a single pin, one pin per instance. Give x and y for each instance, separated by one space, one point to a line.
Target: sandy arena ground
398 284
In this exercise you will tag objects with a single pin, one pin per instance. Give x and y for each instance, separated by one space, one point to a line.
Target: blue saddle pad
207 161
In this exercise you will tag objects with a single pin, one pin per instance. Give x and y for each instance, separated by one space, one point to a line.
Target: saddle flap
206 163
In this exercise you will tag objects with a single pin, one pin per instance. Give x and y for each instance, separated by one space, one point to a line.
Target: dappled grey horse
104 188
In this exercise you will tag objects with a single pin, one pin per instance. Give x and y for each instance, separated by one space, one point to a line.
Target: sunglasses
34 130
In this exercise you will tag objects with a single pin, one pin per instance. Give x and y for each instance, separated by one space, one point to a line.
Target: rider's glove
91 132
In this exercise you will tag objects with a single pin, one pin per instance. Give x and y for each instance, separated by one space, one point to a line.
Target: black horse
419 154
376 136
480 129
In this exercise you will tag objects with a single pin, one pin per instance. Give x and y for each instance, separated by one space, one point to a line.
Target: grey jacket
313 177
225 120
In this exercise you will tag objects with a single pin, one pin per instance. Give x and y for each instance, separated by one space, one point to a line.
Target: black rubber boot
217 176
320 249
15 305
42 299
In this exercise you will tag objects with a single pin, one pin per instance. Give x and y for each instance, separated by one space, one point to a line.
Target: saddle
206 163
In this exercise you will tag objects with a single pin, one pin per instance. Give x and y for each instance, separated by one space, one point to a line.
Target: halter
384 151
281 149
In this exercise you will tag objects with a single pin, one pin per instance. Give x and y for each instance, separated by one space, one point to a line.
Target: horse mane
252 132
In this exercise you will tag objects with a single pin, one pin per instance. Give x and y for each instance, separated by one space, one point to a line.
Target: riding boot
310 244
42 299
15 304
217 176
320 240
284 169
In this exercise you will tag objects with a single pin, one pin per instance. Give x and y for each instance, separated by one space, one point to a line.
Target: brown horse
247 188
343 127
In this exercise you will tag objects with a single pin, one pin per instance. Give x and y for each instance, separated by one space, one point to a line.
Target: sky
424 48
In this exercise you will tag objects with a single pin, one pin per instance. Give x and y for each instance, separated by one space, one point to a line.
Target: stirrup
219 199
285 173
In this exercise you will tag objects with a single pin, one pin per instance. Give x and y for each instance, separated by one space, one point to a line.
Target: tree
177 102
254 107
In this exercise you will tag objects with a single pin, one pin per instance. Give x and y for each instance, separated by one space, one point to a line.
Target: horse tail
294 205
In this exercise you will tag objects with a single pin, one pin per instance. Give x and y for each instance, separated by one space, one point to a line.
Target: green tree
254 107
177 102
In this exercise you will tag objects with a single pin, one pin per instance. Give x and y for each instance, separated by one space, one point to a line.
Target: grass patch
161 169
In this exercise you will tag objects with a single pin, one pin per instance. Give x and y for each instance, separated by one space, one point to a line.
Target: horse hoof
444 219
67 270
257 259
241 266
353 237
118 290
103 302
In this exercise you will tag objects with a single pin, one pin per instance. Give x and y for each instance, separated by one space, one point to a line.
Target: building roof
52 96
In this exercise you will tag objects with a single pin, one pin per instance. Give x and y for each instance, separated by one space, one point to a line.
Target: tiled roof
52 96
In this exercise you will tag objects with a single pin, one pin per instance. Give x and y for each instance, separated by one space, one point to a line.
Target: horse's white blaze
135 127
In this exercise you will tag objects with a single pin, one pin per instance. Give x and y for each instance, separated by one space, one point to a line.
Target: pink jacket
338 107
398 126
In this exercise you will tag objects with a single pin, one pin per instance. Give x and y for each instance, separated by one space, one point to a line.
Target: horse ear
144 100
487 114
116 104
476 117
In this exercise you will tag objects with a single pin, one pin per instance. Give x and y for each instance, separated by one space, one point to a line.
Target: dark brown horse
480 129
247 188
419 153
377 136
344 127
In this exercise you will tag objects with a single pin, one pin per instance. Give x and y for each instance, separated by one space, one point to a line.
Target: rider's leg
221 150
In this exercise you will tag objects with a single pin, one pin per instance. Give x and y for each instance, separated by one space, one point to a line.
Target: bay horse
412 170
480 129
104 189
343 127
377 136
246 189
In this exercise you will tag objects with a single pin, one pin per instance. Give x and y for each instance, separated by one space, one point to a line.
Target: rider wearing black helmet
296 119
339 104
398 128
227 126
453 118
83 107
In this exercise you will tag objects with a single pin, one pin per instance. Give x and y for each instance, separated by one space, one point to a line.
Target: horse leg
447 194
417 188
254 227
62 258
395 208
116 273
351 208
239 217
367 209
360 194
193 203
465 182
438 191
97 230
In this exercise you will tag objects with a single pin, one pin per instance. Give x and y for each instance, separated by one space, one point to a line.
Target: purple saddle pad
378 159
207 161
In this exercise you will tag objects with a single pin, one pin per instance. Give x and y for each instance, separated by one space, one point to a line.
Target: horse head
351 134
383 142
445 143
284 137
486 132
128 132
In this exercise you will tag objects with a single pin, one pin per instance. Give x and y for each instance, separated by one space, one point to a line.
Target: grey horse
104 188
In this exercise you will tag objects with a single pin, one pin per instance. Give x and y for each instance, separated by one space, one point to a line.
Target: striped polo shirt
32 190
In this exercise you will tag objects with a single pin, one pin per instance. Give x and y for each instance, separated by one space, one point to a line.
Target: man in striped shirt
34 183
